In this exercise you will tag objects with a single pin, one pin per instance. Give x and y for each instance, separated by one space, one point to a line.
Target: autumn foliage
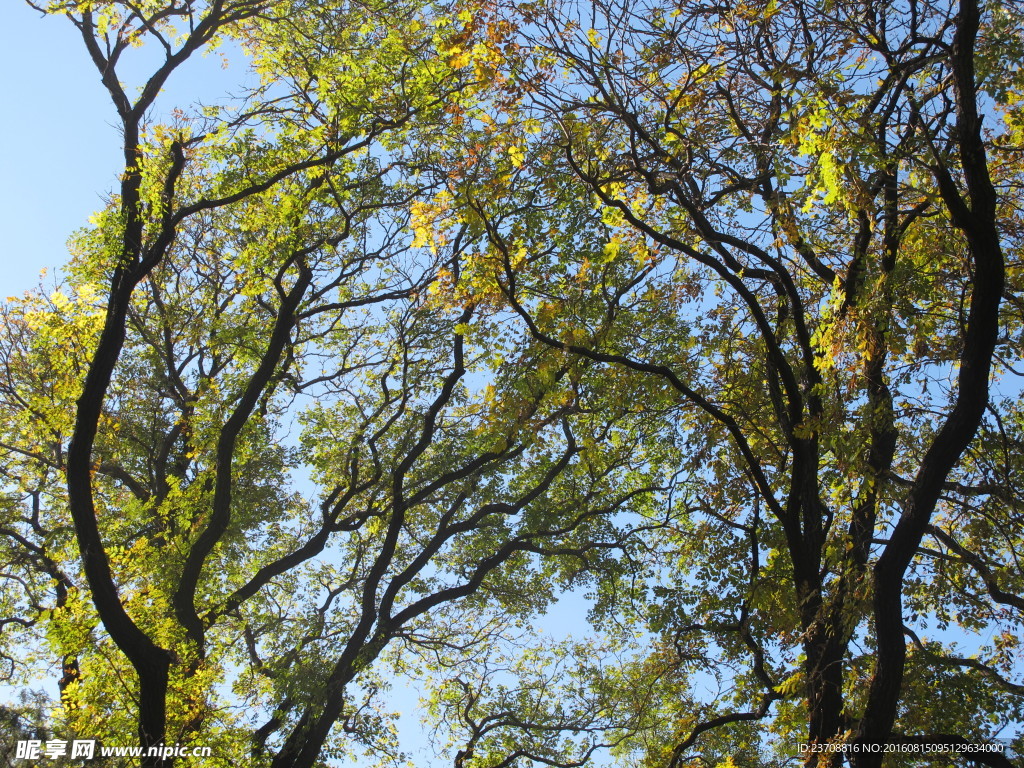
704 317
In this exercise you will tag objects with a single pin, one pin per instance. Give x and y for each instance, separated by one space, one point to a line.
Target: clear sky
59 147
60 151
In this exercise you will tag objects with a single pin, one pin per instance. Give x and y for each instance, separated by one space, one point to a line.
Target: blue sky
60 146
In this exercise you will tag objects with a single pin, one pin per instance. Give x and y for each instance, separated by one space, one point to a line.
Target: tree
790 222
254 275
698 305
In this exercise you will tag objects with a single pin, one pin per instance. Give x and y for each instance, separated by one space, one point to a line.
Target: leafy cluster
711 312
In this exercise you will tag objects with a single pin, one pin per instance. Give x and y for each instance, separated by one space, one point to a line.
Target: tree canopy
710 312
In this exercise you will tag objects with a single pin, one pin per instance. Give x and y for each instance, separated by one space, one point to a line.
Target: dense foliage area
710 312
